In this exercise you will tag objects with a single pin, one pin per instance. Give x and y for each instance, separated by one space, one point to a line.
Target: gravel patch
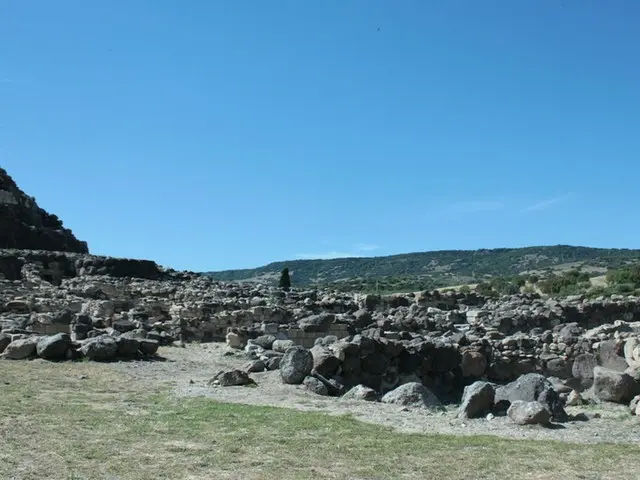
187 370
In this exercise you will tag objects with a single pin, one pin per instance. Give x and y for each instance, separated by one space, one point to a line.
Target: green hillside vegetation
622 281
502 270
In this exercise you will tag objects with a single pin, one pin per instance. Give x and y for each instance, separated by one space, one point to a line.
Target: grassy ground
87 421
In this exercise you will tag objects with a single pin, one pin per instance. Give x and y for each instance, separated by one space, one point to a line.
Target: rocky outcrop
24 225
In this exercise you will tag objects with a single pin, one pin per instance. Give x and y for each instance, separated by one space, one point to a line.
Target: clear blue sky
210 134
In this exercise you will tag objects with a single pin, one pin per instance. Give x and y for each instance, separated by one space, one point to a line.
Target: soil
188 369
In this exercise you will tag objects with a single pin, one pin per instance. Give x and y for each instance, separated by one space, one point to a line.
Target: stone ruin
23 224
427 348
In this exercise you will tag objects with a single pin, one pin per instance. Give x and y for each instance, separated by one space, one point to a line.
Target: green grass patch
55 424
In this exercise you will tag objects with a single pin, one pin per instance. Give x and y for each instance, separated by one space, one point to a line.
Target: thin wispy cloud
475 206
545 204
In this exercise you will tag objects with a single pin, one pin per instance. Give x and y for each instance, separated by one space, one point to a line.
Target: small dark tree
285 280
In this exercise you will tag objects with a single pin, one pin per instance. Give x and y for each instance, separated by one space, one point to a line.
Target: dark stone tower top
24 225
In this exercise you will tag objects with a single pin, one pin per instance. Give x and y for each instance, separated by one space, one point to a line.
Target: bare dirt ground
188 370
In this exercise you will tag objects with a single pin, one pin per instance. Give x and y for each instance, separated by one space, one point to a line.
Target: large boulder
123 325
360 392
611 355
149 347
446 358
319 323
282 346
5 340
264 341
295 365
102 348
533 387
54 347
21 348
473 364
477 400
324 361
613 386
413 394
363 319
582 369
374 363
316 386
236 340
528 413
127 346
255 366
632 352
558 367
231 378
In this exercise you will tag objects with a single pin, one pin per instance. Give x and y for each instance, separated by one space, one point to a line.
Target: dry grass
85 421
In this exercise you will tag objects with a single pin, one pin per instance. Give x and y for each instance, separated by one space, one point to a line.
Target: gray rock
582 369
273 363
21 349
5 340
316 386
611 355
634 372
533 387
362 319
613 386
446 358
295 365
558 367
102 348
477 400
317 323
326 341
324 361
413 395
574 399
231 378
528 413
360 392
127 347
255 367
148 346
282 346
473 364
264 341
54 347
570 333
633 405
123 325
374 363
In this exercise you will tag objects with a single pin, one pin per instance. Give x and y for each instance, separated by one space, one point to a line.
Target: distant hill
417 271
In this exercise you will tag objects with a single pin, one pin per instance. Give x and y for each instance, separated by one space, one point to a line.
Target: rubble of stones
523 356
